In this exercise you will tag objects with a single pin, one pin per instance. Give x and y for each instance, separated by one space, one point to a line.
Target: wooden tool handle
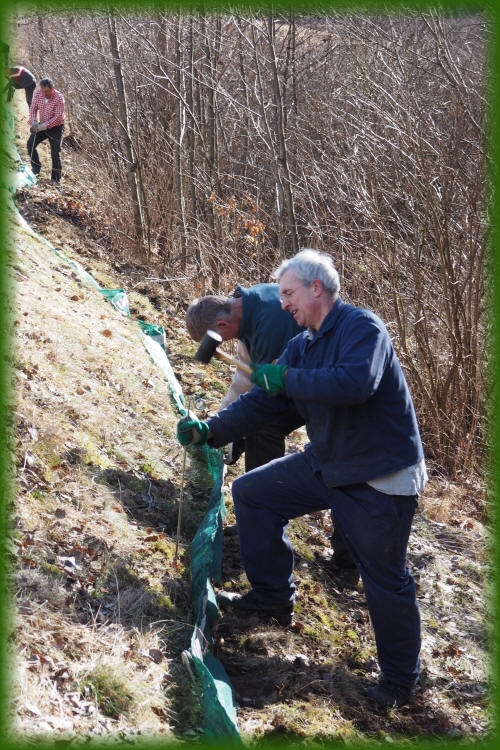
232 361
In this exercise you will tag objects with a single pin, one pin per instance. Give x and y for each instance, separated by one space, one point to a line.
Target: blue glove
191 430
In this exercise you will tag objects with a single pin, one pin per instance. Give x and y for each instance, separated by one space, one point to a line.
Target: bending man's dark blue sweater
346 382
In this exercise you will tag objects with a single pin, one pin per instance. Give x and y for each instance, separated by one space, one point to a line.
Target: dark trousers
29 90
55 136
375 528
269 443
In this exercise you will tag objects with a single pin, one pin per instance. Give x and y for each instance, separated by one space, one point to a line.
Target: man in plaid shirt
48 104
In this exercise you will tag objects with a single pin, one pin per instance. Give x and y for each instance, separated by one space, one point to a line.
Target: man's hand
42 126
191 430
271 378
34 127
234 451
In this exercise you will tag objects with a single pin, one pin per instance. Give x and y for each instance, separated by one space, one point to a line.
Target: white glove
42 126
34 127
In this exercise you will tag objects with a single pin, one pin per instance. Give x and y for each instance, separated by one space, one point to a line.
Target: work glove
42 126
34 127
271 378
191 430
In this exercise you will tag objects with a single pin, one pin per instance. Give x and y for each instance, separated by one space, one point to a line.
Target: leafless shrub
235 140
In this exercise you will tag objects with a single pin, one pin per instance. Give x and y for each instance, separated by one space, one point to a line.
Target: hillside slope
103 606
96 512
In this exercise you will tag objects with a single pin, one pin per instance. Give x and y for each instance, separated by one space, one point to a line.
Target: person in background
20 78
365 461
47 116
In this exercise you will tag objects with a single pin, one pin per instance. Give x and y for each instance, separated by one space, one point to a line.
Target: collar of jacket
329 321
241 292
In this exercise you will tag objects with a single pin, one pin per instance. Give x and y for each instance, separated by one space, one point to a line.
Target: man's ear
317 287
222 326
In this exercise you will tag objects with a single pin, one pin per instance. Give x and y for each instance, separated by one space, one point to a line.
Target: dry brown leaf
155 655
159 712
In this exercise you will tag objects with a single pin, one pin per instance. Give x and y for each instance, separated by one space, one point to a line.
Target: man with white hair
364 461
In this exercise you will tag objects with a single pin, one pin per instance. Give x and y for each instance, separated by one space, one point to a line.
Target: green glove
271 378
191 430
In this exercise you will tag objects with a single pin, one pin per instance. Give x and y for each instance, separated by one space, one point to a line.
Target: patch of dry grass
100 599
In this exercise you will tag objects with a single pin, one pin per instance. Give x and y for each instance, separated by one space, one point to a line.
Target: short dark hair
203 314
46 82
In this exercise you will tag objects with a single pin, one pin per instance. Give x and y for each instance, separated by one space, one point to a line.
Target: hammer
208 348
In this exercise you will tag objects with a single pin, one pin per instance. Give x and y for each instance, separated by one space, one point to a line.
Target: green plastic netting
215 692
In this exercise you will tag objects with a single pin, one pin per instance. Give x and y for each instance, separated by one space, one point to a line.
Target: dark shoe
389 694
247 604
346 576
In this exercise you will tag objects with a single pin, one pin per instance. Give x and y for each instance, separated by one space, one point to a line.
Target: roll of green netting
118 299
155 332
219 711
14 174
207 466
219 715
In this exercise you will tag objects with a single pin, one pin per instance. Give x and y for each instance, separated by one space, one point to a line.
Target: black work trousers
29 91
269 443
375 527
55 136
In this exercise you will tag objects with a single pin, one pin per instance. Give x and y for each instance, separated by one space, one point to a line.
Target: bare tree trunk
124 120
191 139
179 135
41 46
280 138
211 63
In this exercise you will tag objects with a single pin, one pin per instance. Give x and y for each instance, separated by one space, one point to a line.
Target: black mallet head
208 346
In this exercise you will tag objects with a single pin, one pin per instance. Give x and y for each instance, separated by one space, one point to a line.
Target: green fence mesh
216 696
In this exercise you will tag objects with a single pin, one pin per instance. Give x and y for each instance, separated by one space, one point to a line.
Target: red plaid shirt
51 111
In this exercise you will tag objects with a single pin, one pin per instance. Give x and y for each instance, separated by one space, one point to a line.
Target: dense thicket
225 143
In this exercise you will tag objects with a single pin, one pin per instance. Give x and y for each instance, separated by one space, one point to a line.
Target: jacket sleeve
33 109
248 413
365 351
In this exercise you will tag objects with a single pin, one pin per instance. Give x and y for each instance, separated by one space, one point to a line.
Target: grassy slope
97 584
